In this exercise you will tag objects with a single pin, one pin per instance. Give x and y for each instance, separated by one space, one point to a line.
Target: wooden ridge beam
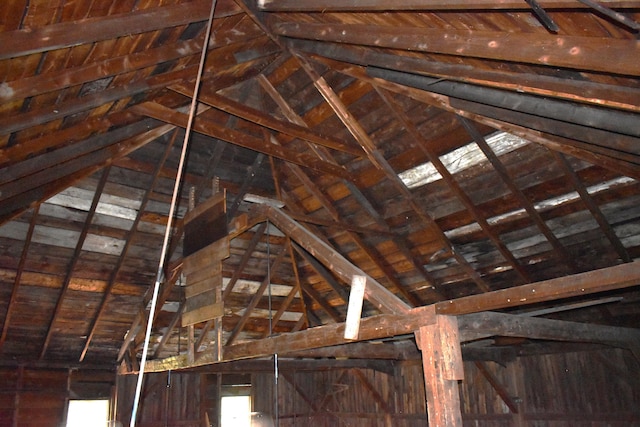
242 111
404 5
215 130
613 56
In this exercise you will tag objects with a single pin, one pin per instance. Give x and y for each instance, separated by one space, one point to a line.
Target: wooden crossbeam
501 324
590 282
388 325
255 116
213 129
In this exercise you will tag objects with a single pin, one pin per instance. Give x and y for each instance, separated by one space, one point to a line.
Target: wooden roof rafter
587 152
127 245
455 188
587 92
351 123
404 5
74 261
327 204
574 52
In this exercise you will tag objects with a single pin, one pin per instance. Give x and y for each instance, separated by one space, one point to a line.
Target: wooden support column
442 364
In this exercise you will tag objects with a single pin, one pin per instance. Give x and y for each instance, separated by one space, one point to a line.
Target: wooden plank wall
590 389
598 388
167 398
33 397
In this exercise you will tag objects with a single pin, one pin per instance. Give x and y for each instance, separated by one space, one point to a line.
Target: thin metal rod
167 234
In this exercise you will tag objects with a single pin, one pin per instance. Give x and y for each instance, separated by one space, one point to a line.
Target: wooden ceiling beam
388 325
258 117
374 327
48 82
74 261
528 206
246 256
404 5
215 130
17 279
256 297
371 252
326 275
590 282
49 166
23 150
593 207
612 56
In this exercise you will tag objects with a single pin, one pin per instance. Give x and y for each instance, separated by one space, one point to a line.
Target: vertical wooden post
442 364
191 342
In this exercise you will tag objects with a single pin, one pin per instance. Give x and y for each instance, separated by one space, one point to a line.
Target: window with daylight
235 411
88 413
461 159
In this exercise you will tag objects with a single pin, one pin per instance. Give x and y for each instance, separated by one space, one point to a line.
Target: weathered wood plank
547 329
202 314
403 5
66 34
582 53
590 282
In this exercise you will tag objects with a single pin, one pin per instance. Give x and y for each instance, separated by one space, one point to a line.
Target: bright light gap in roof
462 158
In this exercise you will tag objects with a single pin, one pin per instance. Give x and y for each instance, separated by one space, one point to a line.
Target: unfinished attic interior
339 213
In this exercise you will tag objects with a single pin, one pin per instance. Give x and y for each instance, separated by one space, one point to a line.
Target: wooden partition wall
595 388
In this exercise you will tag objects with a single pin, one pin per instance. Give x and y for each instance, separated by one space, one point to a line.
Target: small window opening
88 413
